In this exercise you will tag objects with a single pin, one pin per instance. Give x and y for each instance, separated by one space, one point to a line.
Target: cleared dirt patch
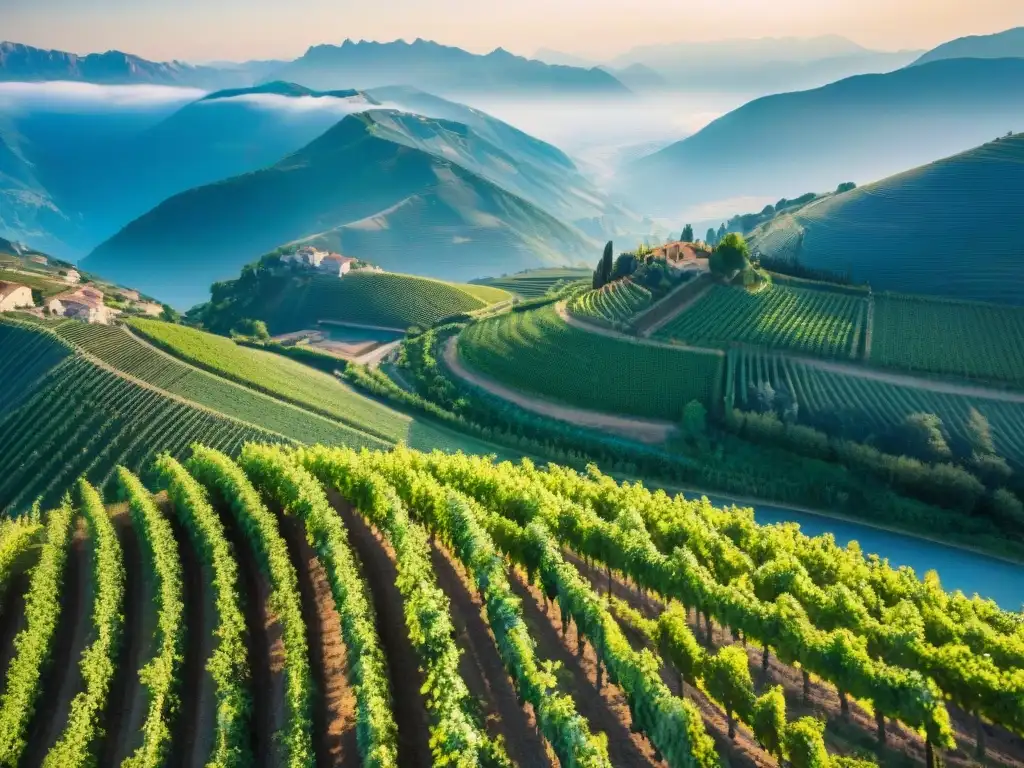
483 671
63 678
606 710
334 708
128 701
406 679
194 729
265 641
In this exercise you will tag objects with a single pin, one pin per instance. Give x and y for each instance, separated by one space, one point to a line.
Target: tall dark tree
607 263
721 232
710 238
687 236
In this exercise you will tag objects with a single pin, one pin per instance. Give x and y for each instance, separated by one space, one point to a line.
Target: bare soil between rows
335 707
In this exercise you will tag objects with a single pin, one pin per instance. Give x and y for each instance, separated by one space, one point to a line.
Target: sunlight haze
195 30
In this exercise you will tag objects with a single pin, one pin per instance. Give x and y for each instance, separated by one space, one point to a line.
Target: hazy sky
240 29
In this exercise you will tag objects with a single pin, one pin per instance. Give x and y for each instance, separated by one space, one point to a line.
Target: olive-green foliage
34 644
161 672
78 744
768 721
805 745
229 664
226 482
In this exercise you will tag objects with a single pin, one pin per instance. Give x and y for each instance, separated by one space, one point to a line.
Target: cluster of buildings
323 261
680 252
82 303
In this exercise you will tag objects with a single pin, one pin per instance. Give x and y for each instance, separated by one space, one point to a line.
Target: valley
659 403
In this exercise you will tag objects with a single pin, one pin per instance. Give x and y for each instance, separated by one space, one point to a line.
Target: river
960 569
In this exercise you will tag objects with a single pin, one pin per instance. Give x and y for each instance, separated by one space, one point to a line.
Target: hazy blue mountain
1002 45
859 129
951 228
551 56
639 77
27 64
441 69
367 187
761 65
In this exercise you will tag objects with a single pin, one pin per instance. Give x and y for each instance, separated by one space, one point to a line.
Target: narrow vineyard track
264 638
127 704
481 668
403 668
194 726
334 702
605 710
63 678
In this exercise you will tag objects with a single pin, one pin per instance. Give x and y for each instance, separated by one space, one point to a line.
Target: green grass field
805 321
538 352
367 298
486 293
48 286
920 231
615 303
536 282
826 396
62 416
975 341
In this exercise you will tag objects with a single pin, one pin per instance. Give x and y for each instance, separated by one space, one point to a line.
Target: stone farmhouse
85 303
329 263
14 296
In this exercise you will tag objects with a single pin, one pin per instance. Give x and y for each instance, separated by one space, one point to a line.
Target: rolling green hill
294 300
536 282
354 189
538 352
951 228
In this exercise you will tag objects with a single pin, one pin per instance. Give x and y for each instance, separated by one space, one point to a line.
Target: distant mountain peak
1008 44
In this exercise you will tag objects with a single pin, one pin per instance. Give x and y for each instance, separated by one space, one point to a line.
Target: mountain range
949 228
858 129
1002 45
383 186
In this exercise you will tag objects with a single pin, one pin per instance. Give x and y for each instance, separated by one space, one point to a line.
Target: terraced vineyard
369 298
975 341
826 396
409 609
61 416
536 282
810 322
538 352
614 304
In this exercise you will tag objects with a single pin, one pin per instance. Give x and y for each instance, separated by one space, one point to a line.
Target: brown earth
127 703
63 678
406 677
334 708
265 642
482 669
606 710
196 720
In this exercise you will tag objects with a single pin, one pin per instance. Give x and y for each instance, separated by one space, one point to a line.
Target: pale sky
202 30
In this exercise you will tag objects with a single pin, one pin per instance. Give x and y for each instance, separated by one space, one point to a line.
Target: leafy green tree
925 438
727 676
1008 509
695 419
687 236
769 721
37 297
979 433
846 186
731 254
170 314
255 329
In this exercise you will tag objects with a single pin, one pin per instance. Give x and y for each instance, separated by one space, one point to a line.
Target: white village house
336 264
324 261
85 303
14 296
72 276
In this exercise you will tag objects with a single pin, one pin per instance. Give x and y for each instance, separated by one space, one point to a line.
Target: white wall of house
19 297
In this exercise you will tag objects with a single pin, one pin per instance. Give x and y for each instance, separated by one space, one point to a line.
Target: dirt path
644 430
194 729
606 710
482 669
63 678
127 704
406 678
575 322
374 356
334 709
265 641
673 305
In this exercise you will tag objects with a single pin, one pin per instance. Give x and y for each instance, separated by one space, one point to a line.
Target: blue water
957 568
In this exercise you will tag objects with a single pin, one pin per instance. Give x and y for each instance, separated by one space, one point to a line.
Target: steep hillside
1002 45
289 301
434 67
859 129
355 188
950 228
